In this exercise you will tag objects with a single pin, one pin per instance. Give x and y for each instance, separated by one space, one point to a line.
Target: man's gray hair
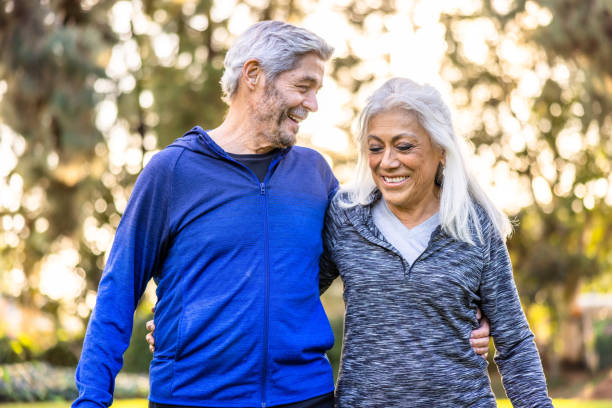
460 191
276 45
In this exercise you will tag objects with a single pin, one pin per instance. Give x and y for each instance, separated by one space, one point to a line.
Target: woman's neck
413 215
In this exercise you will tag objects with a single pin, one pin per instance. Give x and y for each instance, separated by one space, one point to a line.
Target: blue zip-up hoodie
239 322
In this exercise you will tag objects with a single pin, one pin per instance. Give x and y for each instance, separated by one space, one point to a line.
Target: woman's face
403 160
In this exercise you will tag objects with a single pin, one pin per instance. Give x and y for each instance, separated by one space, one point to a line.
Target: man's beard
274 110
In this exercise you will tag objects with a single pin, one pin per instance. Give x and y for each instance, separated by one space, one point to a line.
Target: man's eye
303 88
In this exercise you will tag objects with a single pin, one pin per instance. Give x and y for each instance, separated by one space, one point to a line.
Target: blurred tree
89 91
533 83
52 53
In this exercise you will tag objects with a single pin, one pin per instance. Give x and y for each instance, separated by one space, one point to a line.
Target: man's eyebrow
308 78
311 80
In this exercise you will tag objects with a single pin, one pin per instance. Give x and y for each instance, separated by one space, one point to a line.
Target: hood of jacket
199 141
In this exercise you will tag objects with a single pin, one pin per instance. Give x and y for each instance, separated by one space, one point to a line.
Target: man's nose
310 102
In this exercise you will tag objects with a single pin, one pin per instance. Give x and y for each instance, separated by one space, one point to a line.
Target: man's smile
297 114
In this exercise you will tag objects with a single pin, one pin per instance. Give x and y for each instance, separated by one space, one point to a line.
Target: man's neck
239 136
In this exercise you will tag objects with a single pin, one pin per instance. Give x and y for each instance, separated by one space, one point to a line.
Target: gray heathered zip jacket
407 326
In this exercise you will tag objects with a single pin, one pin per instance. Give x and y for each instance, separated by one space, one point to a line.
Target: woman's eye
375 149
404 147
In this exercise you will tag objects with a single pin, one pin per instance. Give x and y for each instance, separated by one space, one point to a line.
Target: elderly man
228 222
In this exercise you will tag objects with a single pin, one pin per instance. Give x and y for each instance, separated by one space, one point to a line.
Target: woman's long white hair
460 190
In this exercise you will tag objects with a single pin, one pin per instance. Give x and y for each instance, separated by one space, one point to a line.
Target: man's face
287 100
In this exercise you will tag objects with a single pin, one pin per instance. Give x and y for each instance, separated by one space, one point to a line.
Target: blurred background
91 89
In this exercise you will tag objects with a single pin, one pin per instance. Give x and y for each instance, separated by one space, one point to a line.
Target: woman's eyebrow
403 134
394 138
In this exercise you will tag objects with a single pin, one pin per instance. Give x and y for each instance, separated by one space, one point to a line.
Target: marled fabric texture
407 326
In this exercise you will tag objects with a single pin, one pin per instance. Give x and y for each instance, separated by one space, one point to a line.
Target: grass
141 403
129 403
566 403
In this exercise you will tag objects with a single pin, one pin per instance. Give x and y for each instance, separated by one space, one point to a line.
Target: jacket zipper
415 261
267 298
262 192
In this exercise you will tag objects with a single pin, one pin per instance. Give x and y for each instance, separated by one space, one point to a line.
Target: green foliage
335 353
20 350
603 342
37 381
13 351
561 118
580 30
51 55
60 355
138 356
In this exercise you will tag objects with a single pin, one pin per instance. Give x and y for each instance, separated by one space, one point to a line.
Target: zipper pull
262 188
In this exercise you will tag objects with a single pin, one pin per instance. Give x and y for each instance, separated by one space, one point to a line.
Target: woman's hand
479 339
150 325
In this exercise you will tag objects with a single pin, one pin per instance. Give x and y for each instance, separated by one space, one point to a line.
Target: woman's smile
394 181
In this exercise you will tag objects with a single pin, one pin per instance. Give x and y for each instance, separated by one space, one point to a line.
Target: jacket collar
360 216
205 137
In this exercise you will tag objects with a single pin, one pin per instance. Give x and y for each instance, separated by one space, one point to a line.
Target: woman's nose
389 159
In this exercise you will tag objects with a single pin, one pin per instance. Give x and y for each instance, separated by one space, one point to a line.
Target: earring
439 178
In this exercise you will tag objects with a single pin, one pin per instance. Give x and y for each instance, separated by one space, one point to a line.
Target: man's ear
251 74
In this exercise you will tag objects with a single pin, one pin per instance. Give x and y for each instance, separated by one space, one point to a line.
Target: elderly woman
419 246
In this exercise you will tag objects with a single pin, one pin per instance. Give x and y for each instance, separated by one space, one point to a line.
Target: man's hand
479 339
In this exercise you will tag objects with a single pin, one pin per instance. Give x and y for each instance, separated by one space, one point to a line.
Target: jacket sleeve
517 356
327 267
133 259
